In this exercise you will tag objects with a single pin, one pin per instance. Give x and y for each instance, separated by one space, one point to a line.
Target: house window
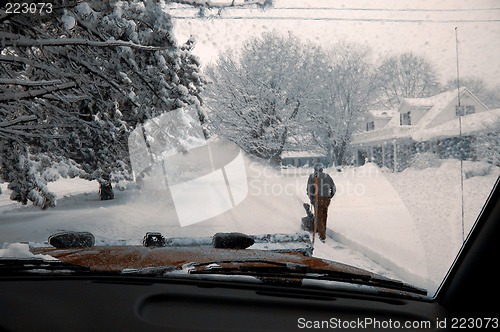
405 119
459 110
470 110
370 126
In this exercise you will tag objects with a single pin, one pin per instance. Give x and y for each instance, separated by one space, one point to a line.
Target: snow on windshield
187 120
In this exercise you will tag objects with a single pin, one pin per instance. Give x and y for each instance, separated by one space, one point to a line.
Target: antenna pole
460 137
458 73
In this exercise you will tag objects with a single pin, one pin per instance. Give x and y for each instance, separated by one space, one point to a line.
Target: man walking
320 189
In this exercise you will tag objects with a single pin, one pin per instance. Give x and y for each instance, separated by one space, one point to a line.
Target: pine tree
76 81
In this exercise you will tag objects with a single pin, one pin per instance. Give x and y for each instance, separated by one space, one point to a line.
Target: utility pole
460 113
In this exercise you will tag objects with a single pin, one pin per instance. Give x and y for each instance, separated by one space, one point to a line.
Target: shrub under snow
425 160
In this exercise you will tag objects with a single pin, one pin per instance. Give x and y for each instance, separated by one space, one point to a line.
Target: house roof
436 104
394 121
442 99
382 135
488 121
418 102
439 102
302 154
383 114
420 131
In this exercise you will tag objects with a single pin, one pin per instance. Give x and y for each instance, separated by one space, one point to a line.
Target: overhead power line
360 9
389 9
270 14
306 18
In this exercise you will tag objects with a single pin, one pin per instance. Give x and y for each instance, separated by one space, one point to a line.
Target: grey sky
388 27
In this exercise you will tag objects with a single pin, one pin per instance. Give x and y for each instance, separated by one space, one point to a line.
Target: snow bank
433 197
425 160
21 250
472 169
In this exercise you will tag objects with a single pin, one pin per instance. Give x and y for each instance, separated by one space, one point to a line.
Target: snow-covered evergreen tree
75 81
25 176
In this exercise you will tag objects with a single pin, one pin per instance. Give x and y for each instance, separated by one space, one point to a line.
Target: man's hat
318 167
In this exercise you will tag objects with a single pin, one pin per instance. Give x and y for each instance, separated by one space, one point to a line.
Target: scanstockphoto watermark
296 187
271 181
170 155
370 323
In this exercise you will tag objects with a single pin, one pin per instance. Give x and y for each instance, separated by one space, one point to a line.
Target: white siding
449 112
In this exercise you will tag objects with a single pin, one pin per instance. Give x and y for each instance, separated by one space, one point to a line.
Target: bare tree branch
26 42
53 70
28 82
219 4
34 93
20 119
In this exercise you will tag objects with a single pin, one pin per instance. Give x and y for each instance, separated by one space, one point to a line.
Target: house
444 124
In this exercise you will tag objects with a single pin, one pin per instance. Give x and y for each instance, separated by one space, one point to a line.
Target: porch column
395 156
434 146
383 154
1 153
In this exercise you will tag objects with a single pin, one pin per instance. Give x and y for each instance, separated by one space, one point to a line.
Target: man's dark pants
322 213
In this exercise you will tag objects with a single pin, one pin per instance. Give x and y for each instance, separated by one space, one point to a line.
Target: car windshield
364 133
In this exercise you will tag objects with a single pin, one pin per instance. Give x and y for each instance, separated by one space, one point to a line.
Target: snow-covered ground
433 197
404 225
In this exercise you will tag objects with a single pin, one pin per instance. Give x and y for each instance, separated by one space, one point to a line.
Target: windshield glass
360 132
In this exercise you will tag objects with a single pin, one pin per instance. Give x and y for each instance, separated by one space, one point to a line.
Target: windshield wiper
14 266
270 270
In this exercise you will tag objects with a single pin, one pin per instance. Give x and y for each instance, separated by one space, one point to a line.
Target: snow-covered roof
419 102
393 122
437 103
301 154
487 121
442 99
419 131
381 135
384 114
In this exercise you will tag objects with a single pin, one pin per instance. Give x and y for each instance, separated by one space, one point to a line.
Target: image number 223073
28 8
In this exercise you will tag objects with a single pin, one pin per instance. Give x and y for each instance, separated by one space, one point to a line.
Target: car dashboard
142 304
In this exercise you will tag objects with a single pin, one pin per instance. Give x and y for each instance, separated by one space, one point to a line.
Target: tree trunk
105 188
